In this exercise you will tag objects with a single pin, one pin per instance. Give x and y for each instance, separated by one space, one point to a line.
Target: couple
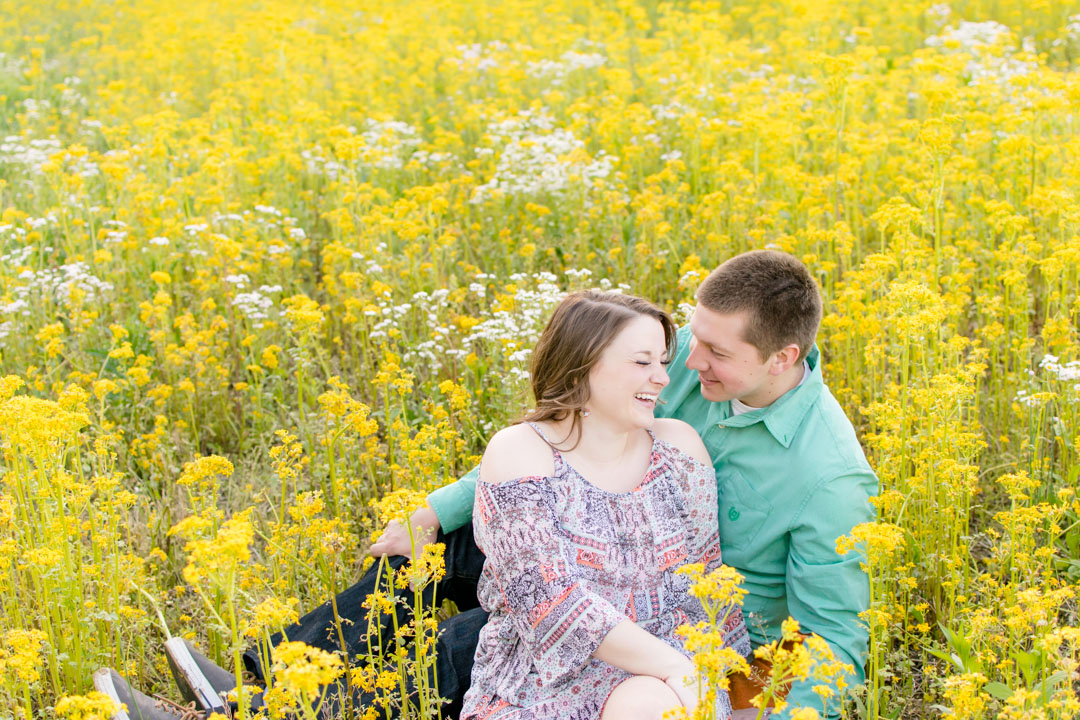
585 510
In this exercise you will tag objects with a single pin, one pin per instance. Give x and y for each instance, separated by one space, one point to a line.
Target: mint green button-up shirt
791 479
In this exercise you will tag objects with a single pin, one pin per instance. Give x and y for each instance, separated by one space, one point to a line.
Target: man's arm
449 508
827 592
453 503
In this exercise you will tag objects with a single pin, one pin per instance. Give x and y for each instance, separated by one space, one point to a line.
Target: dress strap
554 451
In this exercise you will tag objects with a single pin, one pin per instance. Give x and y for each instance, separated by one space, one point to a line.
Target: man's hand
395 538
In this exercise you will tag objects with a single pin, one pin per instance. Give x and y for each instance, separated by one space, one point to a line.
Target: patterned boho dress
566 562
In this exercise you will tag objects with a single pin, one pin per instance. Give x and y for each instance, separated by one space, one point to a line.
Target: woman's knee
640 698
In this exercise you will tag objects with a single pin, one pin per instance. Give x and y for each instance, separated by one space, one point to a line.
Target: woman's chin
644 418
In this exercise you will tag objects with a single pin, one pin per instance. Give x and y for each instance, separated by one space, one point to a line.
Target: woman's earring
584 412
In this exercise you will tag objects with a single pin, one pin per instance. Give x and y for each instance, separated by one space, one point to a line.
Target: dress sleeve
560 622
704 543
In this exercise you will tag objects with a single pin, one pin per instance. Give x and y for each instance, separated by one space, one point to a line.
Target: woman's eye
665 363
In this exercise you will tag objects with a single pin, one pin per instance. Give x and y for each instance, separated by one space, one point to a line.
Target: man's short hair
777 293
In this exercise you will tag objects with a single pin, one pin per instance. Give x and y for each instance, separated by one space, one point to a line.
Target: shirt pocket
743 512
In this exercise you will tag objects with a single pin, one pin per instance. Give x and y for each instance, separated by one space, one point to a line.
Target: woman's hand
395 538
684 683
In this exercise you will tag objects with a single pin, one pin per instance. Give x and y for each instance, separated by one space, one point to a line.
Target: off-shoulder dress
567 561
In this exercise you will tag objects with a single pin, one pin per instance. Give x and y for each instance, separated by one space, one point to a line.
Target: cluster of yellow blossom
244 266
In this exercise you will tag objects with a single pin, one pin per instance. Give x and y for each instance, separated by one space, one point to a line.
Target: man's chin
713 393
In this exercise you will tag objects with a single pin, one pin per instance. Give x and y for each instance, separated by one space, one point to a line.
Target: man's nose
693 360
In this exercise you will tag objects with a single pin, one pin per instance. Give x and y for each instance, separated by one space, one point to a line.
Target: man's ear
783 359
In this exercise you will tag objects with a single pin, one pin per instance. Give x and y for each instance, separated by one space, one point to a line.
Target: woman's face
631 372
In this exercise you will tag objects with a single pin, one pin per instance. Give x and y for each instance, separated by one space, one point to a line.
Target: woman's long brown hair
583 325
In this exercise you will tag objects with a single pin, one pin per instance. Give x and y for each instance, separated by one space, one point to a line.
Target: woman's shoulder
682 437
514 452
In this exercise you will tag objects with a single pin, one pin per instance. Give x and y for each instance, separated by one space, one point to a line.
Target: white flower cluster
277 224
255 305
316 162
30 153
569 62
391 317
17 257
60 280
480 57
1072 30
13 236
672 111
433 306
431 158
970 36
537 158
939 13
1067 372
13 66
511 332
991 61
518 330
389 143
526 121
70 97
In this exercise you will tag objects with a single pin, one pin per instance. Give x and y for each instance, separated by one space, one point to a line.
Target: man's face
727 366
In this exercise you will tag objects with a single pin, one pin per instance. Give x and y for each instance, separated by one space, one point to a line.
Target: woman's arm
637 651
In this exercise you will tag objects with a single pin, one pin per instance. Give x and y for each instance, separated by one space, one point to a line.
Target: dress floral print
566 562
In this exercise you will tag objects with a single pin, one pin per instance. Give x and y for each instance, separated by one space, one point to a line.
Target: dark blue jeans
457 635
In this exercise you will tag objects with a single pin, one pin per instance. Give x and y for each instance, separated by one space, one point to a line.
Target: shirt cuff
453 505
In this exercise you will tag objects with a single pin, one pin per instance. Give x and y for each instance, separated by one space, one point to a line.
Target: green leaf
1047 686
962 657
999 690
947 657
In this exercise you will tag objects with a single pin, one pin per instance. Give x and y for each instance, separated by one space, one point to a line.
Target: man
791 475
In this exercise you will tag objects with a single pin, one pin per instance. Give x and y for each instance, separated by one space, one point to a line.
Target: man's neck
777 387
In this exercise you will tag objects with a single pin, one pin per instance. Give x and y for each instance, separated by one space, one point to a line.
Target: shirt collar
782 418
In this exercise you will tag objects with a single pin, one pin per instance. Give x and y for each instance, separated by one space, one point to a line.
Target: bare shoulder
513 452
682 436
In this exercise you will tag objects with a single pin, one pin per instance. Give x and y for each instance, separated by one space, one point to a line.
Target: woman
584 512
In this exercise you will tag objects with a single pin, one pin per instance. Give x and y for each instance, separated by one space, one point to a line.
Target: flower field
271 271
